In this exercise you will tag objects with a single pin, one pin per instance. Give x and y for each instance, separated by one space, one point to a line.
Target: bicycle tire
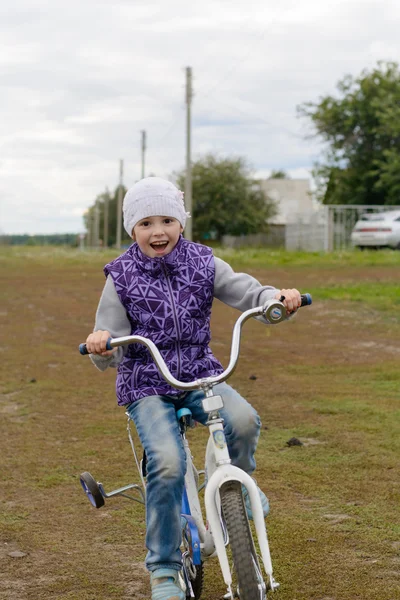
241 541
197 582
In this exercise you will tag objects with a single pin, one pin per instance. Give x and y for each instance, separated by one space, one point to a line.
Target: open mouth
159 246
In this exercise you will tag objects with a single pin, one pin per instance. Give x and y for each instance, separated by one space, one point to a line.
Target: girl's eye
145 223
168 220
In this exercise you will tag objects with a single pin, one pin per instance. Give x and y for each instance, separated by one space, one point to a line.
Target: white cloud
80 81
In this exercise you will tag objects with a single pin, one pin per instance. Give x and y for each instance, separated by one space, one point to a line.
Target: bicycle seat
183 412
185 418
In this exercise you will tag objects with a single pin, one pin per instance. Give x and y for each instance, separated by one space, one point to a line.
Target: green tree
52 239
112 199
361 130
226 198
278 174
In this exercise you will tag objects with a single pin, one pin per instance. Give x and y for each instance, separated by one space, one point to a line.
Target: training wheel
92 490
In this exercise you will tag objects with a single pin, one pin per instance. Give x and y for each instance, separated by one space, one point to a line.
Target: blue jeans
158 430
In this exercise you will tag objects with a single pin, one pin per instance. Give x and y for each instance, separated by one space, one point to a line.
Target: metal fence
328 228
274 238
306 231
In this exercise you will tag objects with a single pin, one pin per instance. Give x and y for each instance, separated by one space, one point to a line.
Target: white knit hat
152 197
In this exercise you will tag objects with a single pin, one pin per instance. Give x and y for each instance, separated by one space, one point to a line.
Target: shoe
165 585
264 502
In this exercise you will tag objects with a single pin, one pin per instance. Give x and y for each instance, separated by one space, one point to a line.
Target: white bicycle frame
218 463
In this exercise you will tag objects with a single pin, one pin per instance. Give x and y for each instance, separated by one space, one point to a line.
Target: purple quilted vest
168 300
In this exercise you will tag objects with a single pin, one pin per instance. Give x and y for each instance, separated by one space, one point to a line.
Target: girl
162 288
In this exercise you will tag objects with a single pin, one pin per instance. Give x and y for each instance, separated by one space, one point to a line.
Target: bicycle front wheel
245 561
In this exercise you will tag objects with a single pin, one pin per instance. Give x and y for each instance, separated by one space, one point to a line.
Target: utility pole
105 215
188 176
143 150
119 205
96 225
82 241
90 230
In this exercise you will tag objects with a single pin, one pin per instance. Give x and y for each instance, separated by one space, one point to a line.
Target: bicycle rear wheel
245 561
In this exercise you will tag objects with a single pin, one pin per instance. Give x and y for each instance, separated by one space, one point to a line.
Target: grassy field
330 377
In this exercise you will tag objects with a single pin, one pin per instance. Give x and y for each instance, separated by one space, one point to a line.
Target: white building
299 223
292 198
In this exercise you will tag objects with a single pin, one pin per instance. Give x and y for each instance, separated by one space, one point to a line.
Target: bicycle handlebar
273 310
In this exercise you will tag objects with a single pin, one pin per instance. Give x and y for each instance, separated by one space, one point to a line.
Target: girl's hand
292 299
96 343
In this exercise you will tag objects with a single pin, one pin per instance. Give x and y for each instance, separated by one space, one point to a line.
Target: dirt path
330 378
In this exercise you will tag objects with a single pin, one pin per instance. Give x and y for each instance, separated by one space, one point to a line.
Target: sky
80 80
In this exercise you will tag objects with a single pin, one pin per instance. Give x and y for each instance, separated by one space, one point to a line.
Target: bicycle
226 516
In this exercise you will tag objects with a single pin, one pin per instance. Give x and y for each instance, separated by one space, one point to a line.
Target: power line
257 118
260 36
234 66
171 126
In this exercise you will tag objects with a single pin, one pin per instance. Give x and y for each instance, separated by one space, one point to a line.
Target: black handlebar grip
83 350
306 300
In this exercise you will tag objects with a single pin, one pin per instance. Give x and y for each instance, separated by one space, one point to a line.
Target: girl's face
157 236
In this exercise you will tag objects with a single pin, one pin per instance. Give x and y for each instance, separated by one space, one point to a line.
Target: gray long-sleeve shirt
239 290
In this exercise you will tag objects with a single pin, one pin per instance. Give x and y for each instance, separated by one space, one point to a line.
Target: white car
377 230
